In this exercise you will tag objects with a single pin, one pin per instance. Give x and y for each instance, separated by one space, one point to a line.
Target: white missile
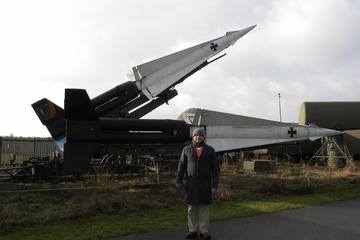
155 76
225 138
226 132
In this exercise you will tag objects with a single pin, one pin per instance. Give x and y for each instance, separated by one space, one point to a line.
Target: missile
225 138
155 76
227 132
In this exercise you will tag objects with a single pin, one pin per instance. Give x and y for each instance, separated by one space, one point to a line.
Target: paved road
327 222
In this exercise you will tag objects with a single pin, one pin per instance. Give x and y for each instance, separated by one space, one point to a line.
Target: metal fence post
1 152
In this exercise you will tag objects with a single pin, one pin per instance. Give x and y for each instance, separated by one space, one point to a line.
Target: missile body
225 138
227 132
123 93
129 131
270 132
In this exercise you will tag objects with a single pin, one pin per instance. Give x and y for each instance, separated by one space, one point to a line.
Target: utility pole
280 106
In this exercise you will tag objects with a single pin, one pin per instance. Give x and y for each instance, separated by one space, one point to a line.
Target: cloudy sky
306 50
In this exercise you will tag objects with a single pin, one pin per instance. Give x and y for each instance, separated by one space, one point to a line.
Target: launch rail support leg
324 153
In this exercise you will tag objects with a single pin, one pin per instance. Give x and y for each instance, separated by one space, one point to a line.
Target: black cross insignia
291 131
213 46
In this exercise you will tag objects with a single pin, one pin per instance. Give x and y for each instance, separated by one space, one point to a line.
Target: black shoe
205 236
191 235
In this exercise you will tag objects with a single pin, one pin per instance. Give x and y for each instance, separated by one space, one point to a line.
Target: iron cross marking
213 46
291 131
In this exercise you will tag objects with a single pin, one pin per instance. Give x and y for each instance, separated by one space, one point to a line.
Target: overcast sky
306 50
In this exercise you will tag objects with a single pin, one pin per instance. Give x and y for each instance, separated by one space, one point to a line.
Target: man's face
198 138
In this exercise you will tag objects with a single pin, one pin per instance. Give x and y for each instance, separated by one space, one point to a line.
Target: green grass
273 204
104 226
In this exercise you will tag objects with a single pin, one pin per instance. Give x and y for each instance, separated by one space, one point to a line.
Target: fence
17 149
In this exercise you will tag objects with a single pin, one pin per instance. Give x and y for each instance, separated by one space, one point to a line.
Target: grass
104 226
273 204
110 211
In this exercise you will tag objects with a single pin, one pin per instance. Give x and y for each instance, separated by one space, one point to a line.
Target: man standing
198 174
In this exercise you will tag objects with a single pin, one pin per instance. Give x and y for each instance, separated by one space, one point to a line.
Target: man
198 174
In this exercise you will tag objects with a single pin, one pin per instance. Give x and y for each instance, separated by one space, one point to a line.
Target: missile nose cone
332 132
235 35
326 132
248 29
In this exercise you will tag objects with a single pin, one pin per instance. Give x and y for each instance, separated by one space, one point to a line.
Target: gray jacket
198 175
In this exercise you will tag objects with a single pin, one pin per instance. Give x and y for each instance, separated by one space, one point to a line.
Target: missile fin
78 105
52 116
315 138
156 88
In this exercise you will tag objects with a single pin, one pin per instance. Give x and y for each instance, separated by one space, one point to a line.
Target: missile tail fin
52 116
78 105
